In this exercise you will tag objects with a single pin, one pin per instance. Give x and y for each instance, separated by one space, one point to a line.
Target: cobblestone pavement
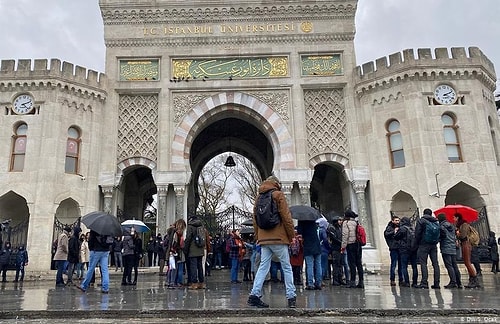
150 301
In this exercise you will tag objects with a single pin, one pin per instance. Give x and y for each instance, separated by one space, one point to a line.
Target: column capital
180 190
359 185
108 190
162 190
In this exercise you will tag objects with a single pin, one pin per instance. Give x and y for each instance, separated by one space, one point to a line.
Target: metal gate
225 221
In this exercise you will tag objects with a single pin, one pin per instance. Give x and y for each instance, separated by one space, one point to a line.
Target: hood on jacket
430 218
322 222
405 221
267 185
195 221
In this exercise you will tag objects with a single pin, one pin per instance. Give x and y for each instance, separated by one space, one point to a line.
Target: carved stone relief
325 121
137 126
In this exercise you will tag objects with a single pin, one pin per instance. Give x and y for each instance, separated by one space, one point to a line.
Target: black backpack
200 237
266 213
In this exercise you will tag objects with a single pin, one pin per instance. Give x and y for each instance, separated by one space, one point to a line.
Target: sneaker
451 286
435 287
422 286
193 286
292 302
393 283
310 288
256 301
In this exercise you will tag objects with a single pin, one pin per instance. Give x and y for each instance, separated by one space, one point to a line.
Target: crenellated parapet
75 79
427 65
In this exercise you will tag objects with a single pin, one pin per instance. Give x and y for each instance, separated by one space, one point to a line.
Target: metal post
233 217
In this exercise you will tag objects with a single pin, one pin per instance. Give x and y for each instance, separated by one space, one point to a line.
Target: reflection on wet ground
151 295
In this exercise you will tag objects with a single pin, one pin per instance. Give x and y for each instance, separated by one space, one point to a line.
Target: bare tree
213 186
248 178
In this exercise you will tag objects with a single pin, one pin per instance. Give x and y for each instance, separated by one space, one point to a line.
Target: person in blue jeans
390 231
274 241
99 253
312 254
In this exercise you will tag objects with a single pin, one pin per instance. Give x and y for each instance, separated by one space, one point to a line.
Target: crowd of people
410 246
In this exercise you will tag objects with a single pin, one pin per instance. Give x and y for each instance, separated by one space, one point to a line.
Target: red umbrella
468 214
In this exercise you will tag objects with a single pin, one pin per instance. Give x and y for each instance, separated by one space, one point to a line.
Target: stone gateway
279 84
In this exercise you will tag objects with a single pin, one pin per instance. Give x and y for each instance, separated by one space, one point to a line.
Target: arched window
395 144
19 148
451 138
72 151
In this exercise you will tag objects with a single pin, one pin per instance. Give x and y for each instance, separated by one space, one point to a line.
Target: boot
473 283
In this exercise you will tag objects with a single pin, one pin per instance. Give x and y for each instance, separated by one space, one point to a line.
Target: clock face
23 104
445 94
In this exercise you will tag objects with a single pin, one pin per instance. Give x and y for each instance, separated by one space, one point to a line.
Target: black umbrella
102 223
305 213
248 222
247 230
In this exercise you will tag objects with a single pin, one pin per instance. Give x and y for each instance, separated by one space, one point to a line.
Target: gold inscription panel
228 68
139 70
328 64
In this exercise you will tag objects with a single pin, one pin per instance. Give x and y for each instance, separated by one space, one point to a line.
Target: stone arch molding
134 161
329 157
242 104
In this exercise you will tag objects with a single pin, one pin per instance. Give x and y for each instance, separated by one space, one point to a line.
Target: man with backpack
427 234
275 241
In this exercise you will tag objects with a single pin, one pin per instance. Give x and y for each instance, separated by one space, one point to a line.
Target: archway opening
329 191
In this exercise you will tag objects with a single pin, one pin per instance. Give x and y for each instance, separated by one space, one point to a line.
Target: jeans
345 266
218 259
96 257
196 269
423 252
395 261
59 273
280 251
235 267
118 260
180 273
450 262
275 267
314 274
325 273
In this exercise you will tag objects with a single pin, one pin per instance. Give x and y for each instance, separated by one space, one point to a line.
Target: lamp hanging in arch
229 161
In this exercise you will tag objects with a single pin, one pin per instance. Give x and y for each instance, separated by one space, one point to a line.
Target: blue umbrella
138 225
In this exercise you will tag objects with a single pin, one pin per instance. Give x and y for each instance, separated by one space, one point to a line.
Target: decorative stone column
180 192
108 192
305 196
359 187
286 188
161 213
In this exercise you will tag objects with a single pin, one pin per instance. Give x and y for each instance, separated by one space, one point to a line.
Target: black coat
389 232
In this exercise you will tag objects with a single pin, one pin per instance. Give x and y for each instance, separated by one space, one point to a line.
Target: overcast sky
72 30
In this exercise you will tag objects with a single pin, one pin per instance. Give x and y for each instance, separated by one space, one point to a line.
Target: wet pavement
150 301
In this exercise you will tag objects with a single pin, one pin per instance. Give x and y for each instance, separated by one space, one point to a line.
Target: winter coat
22 257
492 243
336 236
5 254
128 244
191 249
389 232
403 236
62 247
74 248
309 231
326 247
348 232
84 251
95 244
420 229
284 232
447 238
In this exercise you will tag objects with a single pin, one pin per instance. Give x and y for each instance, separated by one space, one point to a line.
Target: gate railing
225 221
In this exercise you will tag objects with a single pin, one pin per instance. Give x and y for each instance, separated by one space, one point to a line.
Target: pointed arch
242 104
134 161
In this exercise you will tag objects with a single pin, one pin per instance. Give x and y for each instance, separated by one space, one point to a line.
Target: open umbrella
305 213
248 222
138 225
468 214
247 230
102 223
